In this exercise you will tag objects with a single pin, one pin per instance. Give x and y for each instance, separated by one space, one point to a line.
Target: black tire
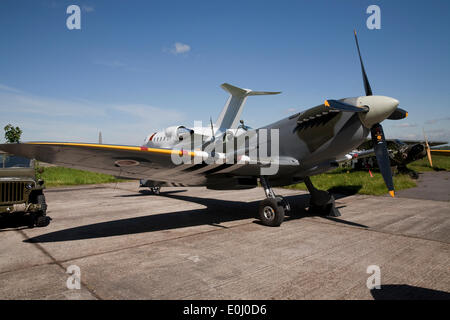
271 212
40 199
282 202
42 221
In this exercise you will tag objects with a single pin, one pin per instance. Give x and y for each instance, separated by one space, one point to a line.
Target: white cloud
50 119
405 125
438 134
148 113
9 89
433 121
179 48
19 102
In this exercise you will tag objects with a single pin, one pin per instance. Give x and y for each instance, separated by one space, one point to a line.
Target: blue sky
138 66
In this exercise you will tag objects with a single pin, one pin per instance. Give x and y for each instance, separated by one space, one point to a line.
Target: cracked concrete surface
194 243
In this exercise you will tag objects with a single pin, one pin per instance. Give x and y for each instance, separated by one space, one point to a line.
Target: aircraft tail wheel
271 213
155 190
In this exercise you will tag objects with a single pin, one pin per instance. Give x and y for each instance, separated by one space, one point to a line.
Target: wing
368 143
438 152
134 162
131 162
356 155
430 143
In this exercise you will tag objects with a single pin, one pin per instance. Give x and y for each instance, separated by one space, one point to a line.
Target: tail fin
229 117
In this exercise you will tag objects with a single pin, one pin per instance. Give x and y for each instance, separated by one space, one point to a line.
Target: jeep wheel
40 199
42 221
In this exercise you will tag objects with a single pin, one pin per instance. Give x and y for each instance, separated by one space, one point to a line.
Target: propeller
427 147
376 131
367 87
212 129
382 154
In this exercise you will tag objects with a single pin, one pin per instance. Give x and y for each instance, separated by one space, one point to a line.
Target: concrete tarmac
431 186
194 243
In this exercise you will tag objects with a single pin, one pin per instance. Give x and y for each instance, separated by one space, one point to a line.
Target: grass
59 176
340 180
347 181
440 163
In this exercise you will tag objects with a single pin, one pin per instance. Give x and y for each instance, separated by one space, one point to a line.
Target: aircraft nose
380 108
392 103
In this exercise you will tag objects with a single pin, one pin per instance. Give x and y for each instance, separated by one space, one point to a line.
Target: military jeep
21 192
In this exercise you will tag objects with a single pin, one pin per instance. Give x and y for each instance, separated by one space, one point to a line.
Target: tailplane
229 117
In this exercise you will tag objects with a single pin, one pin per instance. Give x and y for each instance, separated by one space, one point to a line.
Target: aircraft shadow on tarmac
407 292
216 212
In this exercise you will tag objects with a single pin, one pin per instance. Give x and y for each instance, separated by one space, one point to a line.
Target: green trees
12 134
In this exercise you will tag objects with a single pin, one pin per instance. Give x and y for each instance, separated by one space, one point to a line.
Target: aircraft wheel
284 203
155 190
271 213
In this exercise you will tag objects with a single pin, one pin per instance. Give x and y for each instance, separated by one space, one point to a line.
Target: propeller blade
341 106
382 154
427 147
367 87
398 114
212 129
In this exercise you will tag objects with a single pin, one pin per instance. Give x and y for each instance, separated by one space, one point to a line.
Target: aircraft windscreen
8 161
183 130
245 127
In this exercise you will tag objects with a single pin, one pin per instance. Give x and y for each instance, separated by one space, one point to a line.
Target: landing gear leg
321 201
273 208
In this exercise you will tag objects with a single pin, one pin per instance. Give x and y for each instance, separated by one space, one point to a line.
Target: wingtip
392 193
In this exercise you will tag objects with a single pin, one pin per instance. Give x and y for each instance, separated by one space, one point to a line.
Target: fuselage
315 138
317 145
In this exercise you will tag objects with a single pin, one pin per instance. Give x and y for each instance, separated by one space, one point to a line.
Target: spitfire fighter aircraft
401 153
309 143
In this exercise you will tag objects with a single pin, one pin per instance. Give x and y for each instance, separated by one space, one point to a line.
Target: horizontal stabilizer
245 92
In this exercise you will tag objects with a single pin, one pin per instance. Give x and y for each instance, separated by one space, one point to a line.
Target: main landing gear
147 183
321 202
273 208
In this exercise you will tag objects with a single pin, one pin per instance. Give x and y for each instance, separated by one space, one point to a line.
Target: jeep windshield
9 161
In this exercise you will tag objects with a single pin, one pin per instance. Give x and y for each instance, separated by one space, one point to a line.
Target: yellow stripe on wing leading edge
439 151
115 147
